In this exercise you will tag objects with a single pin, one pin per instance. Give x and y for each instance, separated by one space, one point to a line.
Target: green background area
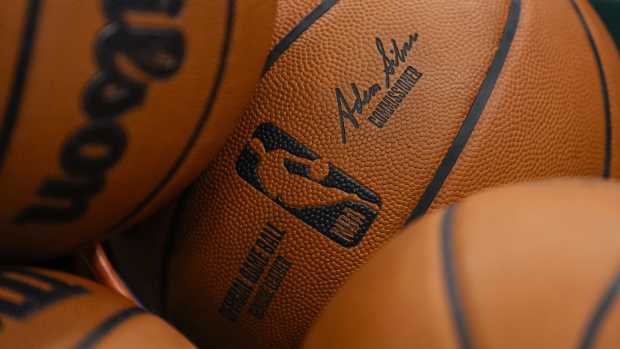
609 10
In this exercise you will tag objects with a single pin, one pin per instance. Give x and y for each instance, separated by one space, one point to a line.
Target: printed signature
392 59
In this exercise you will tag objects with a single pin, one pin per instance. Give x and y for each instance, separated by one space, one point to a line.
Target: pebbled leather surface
538 86
532 263
612 74
169 136
544 118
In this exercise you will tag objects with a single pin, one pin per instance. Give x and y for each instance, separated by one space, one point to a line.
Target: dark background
609 10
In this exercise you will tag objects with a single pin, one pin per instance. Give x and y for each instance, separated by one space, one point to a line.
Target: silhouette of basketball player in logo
307 186
293 189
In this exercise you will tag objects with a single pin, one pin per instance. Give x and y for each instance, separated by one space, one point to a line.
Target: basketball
112 107
528 266
47 309
370 114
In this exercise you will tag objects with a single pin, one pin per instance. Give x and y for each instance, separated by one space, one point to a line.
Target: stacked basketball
110 109
369 115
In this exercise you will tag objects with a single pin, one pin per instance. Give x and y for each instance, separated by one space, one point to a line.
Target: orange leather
265 208
111 108
544 117
532 264
46 309
611 71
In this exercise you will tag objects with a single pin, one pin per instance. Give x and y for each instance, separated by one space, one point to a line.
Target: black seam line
603 82
96 335
449 272
294 34
601 311
208 109
20 77
471 120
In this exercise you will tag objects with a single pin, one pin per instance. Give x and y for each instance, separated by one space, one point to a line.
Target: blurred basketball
527 266
369 114
112 107
46 309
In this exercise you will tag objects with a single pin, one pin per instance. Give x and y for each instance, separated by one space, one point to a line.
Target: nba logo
310 188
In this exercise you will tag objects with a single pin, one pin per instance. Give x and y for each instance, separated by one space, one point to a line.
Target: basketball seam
602 309
473 116
19 82
286 42
281 47
449 272
201 123
604 89
104 328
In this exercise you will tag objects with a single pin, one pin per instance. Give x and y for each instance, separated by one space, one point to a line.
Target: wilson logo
92 150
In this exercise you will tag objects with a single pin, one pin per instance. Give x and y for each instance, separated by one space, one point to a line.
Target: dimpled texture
532 263
170 134
544 118
71 312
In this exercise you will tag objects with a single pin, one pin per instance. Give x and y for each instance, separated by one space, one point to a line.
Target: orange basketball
112 107
370 113
528 266
45 309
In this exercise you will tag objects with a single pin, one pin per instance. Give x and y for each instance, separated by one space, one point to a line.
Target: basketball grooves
299 29
275 53
605 92
462 137
223 62
447 256
19 82
96 335
602 309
